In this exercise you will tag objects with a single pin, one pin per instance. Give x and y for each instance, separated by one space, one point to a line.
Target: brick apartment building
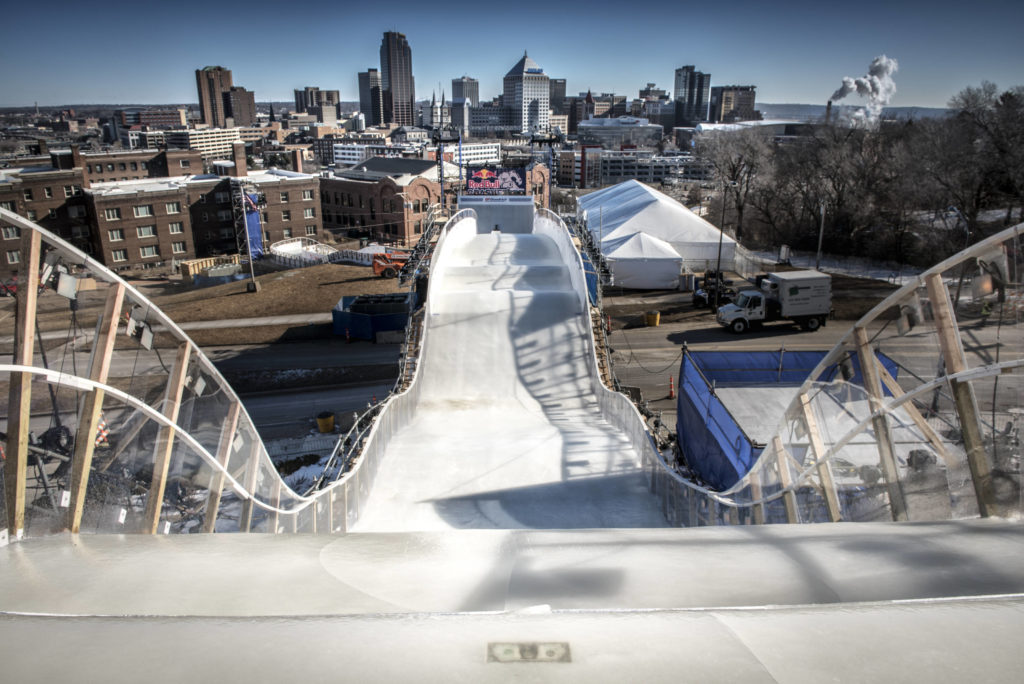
156 213
384 198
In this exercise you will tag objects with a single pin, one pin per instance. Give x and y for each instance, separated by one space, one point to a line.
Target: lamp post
719 281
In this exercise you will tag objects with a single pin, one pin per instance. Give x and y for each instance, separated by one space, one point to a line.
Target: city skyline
795 52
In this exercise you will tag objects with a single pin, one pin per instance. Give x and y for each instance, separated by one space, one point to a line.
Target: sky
793 51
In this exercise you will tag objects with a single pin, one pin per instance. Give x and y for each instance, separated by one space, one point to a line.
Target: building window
143 210
14 256
110 167
284 196
135 167
48 193
119 255
76 211
185 163
173 207
287 233
30 215
360 202
115 234
309 212
221 197
53 213
142 165
310 230
178 247
176 227
69 190
11 232
202 198
286 215
224 215
122 166
205 217
307 194
99 168
9 206
146 231
149 251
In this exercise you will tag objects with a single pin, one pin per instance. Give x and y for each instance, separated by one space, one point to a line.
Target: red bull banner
485 180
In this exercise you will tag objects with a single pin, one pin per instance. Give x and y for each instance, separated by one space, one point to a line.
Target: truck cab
749 308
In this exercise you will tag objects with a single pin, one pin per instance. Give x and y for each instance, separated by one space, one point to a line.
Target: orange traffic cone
671 388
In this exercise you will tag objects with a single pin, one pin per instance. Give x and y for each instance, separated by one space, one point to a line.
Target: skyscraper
371 98
692 91
213 82
397 84
556 95
240 106
466 87
527 93
733 103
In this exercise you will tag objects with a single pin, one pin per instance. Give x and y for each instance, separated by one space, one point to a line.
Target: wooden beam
165 439
89 418
251 472
824 468
919 420
224 448
880 424
755 493
276 502
19 398
963 395
789 498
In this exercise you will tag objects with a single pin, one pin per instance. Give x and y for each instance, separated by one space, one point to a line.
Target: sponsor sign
483 180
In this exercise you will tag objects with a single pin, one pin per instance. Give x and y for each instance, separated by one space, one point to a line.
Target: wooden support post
963 395
251 472
919 420
276 502
19 398
755 493
789 498
824 468
880 424
224 448
165 439
89 418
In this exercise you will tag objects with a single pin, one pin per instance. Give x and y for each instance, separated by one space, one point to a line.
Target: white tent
622 210
643 262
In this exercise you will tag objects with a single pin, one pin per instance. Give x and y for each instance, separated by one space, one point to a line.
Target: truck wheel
739 326
389 272
812 324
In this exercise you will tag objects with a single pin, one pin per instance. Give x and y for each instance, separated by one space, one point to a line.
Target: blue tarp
253 228
590 273
714 444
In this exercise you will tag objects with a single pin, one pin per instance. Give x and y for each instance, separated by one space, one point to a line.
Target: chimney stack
828 113
44 148
76 157
297 161
238 157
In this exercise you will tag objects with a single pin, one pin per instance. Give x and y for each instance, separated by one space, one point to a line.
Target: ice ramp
501 427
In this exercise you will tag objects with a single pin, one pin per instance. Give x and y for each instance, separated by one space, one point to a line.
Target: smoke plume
877 86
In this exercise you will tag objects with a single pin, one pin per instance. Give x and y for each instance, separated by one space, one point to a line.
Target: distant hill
814 112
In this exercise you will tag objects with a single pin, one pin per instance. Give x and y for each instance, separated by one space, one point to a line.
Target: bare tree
737 157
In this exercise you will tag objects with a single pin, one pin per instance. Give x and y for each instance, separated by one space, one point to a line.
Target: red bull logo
484 174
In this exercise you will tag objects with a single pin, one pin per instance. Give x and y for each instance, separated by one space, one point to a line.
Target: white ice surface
507 433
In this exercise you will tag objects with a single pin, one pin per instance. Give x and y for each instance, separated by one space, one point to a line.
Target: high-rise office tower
240 106
306 98
398 87
468 88
556 95
371 97
212 82
733 103
527 93
692 92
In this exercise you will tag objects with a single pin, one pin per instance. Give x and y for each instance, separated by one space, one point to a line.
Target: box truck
803 297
